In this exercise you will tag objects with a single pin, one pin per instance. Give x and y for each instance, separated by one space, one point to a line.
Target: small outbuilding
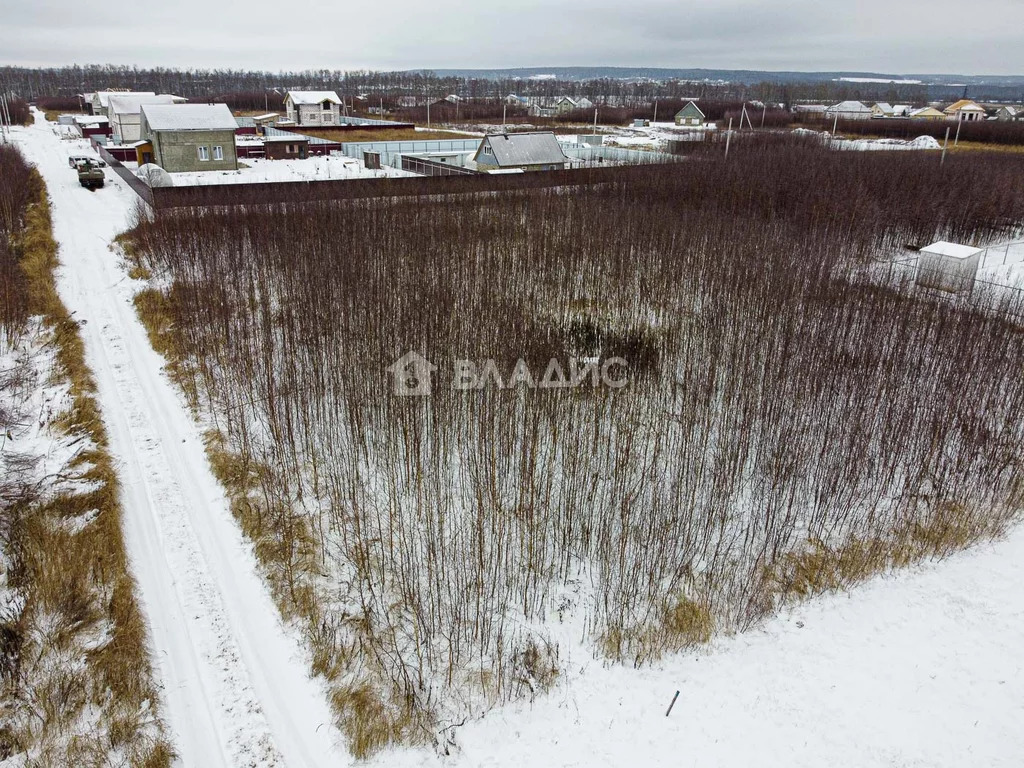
191 137
690 115
948 266
539 151
286 147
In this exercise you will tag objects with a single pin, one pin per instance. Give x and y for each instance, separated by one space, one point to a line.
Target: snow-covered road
235 684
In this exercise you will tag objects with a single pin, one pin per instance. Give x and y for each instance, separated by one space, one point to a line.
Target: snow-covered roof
313 97
849 106
130 104
884 106
104 96
512 149
189 117
955 250
925 111
268 116
91 119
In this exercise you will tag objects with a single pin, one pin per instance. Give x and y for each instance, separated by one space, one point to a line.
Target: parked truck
90 175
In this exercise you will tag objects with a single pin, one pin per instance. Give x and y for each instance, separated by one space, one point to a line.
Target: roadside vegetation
798 417
76 684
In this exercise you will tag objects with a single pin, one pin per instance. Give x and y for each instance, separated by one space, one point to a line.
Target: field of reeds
796 416
76 685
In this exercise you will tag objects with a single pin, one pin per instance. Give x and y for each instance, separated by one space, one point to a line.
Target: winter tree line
797 416
68 82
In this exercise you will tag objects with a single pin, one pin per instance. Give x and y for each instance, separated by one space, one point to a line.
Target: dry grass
76 584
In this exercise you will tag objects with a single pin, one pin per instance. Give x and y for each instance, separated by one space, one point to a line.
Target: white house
901 110
882 109
100 100
848 110
965 109
313 108
1010 113
124 110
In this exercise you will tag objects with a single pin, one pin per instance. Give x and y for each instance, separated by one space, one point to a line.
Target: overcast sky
899 36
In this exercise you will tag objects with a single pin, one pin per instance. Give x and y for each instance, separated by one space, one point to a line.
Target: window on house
204 153
218 153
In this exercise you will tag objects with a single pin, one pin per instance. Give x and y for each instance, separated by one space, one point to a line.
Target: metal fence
391 151
425 167
409 186
137 185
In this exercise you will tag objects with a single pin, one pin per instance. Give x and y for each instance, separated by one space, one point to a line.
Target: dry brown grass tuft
81 641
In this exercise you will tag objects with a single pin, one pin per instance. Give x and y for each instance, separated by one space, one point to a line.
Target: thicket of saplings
75 680
1003 132
796 418
19 112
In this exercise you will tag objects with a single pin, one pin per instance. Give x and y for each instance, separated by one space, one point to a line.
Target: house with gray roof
190 137
538 151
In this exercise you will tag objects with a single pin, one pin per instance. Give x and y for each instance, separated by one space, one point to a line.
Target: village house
538 151
965 109
100 100
849 110
926 113
882 109
124 112
690 115
313 108
189 137
901 110
1008 112
564 104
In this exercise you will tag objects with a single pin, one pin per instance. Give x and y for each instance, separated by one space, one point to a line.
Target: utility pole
764 111
595 119
944 145
655 112
728 135
504 109
956 141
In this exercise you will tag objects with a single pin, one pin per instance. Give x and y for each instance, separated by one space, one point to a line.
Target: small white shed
948 266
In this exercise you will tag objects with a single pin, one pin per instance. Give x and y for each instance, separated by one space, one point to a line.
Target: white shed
948 266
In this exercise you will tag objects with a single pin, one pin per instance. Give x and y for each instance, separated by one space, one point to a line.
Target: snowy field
920 668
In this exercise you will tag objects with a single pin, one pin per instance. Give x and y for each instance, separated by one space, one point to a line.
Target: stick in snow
672 704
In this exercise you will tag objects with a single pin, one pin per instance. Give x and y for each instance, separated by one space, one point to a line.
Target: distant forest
63 82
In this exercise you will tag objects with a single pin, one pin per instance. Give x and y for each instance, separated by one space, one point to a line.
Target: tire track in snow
235 687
